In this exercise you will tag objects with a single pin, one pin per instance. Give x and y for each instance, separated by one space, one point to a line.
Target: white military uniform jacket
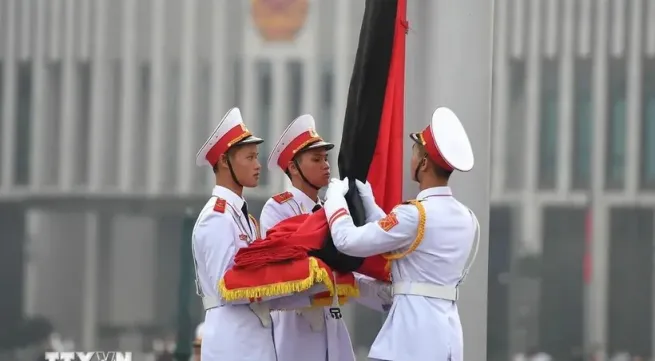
231 332
312 335
418 327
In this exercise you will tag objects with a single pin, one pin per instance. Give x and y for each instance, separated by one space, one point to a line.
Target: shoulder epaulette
282 197
220 205
408 201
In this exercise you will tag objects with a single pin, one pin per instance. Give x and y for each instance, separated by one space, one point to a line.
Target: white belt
260 309
448 293
209 302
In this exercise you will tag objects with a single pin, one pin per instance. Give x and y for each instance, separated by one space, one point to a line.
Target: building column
416 108
458 74
596 292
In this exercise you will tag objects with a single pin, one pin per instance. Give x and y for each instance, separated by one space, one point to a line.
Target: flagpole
459 76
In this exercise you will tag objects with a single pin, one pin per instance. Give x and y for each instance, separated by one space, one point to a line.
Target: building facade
103 105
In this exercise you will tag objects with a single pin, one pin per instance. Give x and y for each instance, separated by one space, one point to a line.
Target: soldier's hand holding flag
337 188
335 204
372 211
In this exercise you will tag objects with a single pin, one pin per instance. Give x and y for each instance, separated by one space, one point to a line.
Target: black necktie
244 209
316 208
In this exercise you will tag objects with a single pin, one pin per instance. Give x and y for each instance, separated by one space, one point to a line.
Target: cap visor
251 140
415 137
320 144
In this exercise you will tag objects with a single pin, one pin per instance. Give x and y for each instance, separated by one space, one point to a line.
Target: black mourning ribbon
244 209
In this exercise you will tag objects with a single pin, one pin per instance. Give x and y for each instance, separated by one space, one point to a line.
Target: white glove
334 200
372 211
365 190
337 188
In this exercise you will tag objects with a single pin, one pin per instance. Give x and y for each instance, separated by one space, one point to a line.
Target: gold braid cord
419 234
306 143
236 140
257 229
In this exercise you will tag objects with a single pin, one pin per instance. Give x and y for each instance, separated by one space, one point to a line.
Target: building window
142 119
327 102
264 108
114 113
172 111
23 121
53 116
515 127
548 126
295 73
616 113
560 323
503 221
548 141
630 303
83 122
648 126
582 126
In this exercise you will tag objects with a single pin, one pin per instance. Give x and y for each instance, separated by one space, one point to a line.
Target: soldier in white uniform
232 332
312 334
430 240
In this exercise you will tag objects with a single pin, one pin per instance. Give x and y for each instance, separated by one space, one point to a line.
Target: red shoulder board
220 205
282 197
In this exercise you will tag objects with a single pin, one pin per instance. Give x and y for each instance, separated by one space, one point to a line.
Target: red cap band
233 136
432 149
296 145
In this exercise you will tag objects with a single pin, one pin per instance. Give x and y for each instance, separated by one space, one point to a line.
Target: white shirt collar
234 199
303 199
434 191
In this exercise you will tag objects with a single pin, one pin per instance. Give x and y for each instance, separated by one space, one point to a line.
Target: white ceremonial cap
229 132
446 142
300 135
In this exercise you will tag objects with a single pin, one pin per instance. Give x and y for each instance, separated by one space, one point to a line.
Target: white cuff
335 207
372 210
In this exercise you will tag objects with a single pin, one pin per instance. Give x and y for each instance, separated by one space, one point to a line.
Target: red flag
298 252
279 264
386 170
